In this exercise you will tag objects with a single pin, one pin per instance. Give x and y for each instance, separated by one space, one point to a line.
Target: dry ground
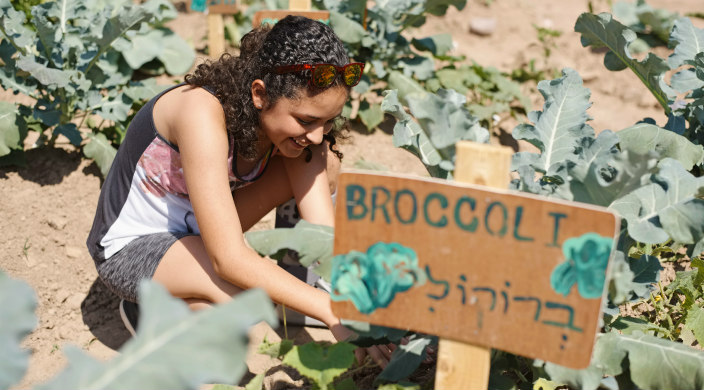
46 208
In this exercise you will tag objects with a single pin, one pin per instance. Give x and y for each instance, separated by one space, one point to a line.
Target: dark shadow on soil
93 170
387 125
46 166
100 311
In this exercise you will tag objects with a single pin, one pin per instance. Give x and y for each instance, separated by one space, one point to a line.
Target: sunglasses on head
322 75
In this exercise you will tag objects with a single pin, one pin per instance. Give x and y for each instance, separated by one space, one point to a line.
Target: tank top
145 191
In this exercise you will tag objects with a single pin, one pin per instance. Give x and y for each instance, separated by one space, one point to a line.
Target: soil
47 207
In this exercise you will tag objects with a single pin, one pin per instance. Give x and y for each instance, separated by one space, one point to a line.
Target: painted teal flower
198 5
586 259
371 280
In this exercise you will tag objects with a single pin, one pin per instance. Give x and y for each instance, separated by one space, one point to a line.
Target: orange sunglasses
323 75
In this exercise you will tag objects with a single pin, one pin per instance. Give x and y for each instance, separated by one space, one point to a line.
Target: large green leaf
9 131
666 208
453 79
687 283
653 363
114 107
70 131
444 117
438 44
439 7
129 17
163 10
407 133
143 90
442 120
645 137
657 363
686 80
162 44
46 75
347 29
620 279
49 33
370 114
143 48
632 325
695 322
406 358
603 31
687 40
174 347
321 363
610 176
312 242
659 22
557 129
176 54
12 26
586 379
627 13
17 304
100 150
10 80
419 67
646 274
404 85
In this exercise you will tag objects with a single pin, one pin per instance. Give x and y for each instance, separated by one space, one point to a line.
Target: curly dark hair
293 40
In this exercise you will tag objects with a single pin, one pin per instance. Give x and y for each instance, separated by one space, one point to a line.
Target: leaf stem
283 309
368 362
628 62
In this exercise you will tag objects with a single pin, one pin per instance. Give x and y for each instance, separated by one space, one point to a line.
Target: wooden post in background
461 365
295 7
216 35
299 5
215 9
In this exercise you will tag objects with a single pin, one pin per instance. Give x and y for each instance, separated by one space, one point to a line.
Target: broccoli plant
76 60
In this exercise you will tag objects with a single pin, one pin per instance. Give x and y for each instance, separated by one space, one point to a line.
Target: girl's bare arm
203 145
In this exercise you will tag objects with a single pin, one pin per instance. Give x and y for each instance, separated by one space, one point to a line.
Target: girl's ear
258 94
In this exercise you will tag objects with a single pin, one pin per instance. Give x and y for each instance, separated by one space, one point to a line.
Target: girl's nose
315 136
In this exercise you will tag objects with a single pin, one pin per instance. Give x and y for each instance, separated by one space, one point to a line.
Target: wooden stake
461 365
216 35
299 5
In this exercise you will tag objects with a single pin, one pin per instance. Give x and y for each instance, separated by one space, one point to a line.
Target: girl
204 161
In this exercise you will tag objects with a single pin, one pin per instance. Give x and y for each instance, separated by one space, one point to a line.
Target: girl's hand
380 354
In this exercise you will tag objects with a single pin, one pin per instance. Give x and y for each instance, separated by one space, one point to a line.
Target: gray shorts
138 260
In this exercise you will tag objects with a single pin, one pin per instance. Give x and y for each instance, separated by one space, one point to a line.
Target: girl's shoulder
186 107
191 100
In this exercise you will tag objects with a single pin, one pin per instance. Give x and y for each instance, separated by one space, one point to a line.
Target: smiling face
293 124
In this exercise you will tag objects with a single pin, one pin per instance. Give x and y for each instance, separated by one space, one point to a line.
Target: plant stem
283 309
368 362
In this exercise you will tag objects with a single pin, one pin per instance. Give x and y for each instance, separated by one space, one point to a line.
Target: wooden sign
227 7
501 269
274 16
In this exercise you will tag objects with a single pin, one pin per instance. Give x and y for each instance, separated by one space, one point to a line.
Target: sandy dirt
46 208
